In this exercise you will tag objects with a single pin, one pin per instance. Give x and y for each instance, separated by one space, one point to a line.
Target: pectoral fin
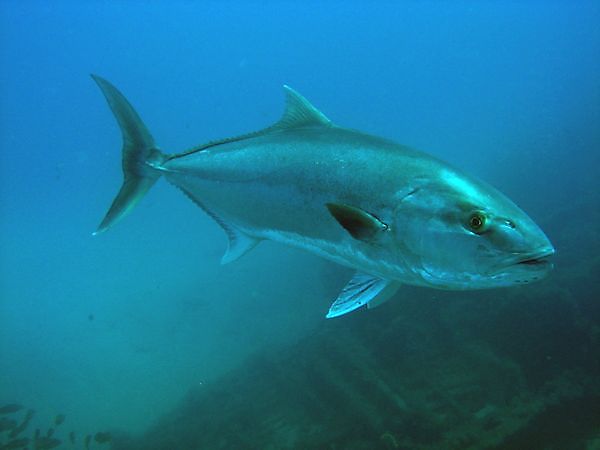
385 294
361 224
360 290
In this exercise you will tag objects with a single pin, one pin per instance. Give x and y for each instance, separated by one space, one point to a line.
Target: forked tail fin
139 156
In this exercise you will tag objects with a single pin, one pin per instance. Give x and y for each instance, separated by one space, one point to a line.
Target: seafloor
504 369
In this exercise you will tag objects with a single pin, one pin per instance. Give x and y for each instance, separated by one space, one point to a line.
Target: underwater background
142 334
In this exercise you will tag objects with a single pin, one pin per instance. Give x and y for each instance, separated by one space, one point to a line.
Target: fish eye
477 222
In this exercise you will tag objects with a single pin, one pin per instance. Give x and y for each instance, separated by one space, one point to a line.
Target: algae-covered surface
503 369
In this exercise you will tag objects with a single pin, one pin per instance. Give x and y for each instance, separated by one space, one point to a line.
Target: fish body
276 186
396 215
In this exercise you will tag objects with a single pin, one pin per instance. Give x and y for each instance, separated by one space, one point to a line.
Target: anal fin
239 243
362 289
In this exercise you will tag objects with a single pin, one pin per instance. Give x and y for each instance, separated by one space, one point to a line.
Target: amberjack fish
396 215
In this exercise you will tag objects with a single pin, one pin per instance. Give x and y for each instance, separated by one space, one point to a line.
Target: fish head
460 233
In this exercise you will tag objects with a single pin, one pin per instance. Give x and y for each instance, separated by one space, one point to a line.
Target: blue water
114 330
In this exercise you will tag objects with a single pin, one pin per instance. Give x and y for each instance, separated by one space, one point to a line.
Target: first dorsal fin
299 112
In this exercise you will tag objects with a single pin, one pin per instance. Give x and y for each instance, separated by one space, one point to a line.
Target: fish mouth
533 263
541 258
